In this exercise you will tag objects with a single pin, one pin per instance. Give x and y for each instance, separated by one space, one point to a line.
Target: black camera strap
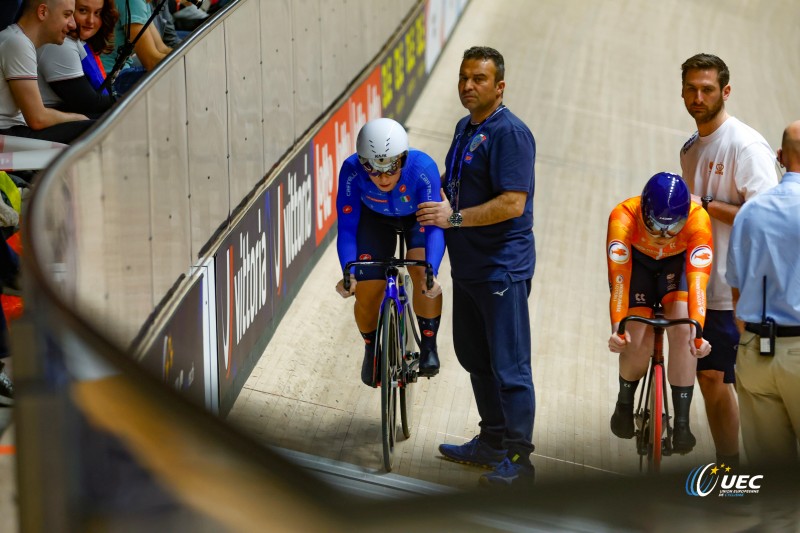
128 48
768 329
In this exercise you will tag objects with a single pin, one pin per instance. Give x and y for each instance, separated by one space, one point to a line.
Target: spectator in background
765 278
187 16
22 112
166 27
149 48
70 74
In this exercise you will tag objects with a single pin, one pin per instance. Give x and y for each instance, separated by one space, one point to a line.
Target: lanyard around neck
454 183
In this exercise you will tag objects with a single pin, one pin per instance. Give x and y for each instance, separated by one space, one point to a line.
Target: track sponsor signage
177 356
403 71
243 299
434 32
289 202
441 18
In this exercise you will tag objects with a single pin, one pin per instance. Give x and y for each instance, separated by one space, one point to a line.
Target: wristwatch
456 219
706 200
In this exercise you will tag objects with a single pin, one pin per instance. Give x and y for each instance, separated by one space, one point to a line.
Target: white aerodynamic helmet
382 145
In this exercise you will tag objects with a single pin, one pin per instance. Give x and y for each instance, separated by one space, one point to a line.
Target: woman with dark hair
71 74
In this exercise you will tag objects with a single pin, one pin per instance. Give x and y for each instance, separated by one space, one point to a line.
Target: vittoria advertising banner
244 298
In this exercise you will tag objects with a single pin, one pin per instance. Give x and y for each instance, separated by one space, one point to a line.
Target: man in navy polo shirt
488 215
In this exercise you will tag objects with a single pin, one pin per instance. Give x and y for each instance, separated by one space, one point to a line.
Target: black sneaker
369 377
622 421
6 388
682 439
428 363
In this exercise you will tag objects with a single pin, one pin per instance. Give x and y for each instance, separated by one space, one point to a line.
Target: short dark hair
487 53
27 6
707 62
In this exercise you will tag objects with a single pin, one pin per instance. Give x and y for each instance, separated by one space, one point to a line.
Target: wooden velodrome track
599 85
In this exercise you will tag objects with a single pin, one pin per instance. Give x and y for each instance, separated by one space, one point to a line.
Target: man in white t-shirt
725 163
22 112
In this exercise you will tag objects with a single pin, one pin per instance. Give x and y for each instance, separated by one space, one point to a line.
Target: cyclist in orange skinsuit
659 249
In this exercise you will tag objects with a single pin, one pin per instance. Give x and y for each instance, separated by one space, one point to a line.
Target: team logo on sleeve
618 252
347 209
402 188
365 257
701 256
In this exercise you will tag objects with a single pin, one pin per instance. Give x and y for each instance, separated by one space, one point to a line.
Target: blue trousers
492 340
127 78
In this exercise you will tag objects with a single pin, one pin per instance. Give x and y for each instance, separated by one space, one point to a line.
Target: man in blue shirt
380 187
764 274
488 214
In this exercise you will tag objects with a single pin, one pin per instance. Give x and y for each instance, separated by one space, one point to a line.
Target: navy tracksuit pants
492 340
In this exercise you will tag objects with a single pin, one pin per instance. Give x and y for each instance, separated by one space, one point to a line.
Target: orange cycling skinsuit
627 232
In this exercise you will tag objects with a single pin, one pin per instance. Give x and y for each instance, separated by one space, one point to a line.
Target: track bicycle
396 345
653 430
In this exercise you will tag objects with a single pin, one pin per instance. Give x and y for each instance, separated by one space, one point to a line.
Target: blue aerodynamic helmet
665 204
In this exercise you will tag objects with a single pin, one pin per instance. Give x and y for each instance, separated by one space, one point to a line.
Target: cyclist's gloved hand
617 344
340 287
702 351
435 291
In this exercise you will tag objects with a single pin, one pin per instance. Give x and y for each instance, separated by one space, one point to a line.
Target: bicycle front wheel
656 419
390 369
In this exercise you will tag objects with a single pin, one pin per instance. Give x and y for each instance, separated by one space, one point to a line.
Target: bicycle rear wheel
656 419
390 369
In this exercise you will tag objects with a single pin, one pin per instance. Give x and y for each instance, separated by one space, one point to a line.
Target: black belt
780 331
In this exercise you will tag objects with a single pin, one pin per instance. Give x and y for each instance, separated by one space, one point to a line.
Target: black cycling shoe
366 367
682 439
622 421
428 363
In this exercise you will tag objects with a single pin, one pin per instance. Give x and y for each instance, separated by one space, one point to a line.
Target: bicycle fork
643 416
407 333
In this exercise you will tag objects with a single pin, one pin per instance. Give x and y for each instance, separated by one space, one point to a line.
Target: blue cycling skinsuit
368 216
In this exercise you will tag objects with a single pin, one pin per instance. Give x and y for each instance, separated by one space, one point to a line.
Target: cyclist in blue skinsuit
379 189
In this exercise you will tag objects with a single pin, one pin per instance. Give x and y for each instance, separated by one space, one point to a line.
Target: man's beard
710 114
